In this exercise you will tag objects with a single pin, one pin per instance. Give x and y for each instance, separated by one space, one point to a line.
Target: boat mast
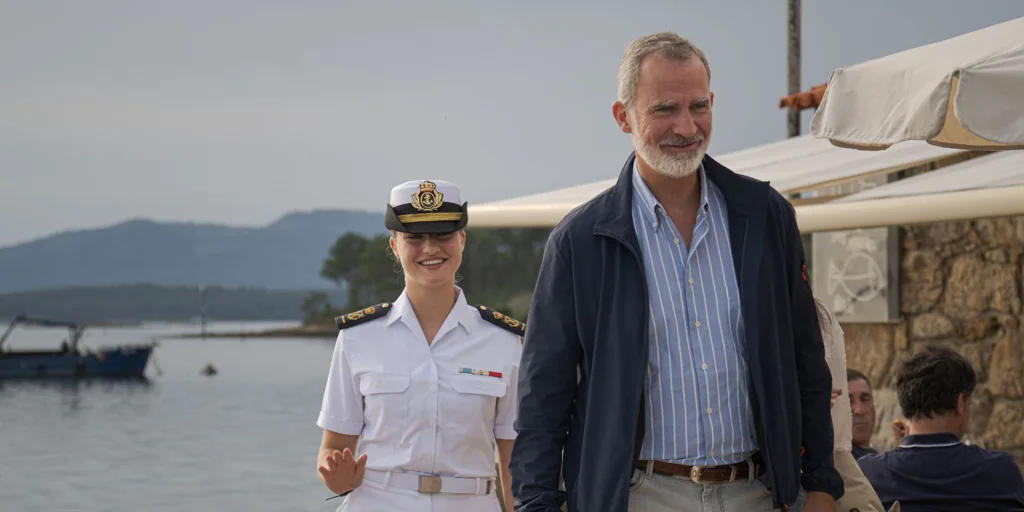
74 334
10 328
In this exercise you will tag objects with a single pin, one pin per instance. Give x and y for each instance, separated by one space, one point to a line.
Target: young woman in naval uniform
422 391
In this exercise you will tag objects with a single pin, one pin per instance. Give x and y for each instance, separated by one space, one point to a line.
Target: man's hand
817 501
341 471
835 394
899 429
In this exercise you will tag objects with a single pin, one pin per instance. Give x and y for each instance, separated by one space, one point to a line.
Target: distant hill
141 303
284 255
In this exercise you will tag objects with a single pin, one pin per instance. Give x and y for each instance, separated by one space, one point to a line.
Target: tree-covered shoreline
499 269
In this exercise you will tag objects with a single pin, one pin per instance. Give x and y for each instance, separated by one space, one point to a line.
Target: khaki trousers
652 492
859 494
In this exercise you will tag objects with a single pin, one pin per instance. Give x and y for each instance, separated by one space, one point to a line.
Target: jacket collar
743 196
616 219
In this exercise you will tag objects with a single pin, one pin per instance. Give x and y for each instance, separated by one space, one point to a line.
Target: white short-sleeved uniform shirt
413 408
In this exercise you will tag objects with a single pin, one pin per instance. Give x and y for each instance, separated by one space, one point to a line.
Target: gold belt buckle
695 474
430 484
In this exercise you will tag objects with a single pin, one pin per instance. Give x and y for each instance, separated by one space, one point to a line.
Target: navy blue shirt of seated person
937 472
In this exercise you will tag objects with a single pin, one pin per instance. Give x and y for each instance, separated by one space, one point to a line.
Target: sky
238 112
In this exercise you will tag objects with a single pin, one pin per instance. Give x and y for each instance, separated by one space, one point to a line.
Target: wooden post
793 63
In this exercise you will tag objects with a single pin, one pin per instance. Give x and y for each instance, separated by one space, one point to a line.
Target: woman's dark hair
928 382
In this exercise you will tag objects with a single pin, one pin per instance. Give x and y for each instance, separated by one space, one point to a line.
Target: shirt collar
400 309
652 209
940 440
459 314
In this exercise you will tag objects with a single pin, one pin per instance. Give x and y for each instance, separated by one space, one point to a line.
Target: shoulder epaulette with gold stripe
363 315
502 320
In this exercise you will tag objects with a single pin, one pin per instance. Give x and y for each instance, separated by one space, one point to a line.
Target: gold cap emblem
427 199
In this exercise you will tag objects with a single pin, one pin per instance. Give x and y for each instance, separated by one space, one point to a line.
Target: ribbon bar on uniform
485 373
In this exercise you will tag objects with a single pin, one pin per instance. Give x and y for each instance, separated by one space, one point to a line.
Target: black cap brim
449 218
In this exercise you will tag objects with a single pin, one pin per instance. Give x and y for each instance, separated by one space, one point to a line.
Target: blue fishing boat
69 360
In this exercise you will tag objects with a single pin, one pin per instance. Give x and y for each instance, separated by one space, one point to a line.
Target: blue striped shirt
698 406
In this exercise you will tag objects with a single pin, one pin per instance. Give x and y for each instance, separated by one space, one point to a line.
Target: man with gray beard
673 358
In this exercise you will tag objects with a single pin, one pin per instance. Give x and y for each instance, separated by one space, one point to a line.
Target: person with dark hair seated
932 469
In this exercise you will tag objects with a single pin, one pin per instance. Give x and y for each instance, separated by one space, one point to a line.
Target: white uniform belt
430 484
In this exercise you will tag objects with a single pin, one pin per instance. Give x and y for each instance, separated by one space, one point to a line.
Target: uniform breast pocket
483 387
474 399
384 392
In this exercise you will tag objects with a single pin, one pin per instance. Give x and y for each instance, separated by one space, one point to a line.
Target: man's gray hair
666 44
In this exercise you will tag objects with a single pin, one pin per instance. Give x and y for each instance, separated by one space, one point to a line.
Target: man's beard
672 165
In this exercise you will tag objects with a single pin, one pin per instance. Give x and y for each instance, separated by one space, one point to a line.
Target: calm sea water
245 439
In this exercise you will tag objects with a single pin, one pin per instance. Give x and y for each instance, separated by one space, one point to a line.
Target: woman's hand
341 472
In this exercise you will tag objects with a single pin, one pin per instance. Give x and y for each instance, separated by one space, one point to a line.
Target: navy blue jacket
590 314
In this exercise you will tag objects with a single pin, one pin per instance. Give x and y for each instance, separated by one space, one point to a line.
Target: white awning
983 187
965 92
806 163
1002 169
790 165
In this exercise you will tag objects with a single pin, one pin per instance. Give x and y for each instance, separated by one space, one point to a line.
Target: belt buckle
430 484
695 474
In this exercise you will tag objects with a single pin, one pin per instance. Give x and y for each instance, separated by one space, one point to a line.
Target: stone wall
960 286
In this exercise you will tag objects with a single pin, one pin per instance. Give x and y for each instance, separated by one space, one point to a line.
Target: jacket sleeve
547 383
813 375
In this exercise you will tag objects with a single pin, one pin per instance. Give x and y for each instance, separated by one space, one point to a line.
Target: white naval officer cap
428 206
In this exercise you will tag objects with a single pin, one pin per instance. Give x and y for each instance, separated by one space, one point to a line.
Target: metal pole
202 312
793 63
920 209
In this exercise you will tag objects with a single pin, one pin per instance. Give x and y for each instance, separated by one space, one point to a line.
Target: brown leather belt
702 474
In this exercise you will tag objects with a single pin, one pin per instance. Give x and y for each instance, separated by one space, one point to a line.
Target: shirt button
697 323
712 453
655 223
690 280
676 240
709 410
704 366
